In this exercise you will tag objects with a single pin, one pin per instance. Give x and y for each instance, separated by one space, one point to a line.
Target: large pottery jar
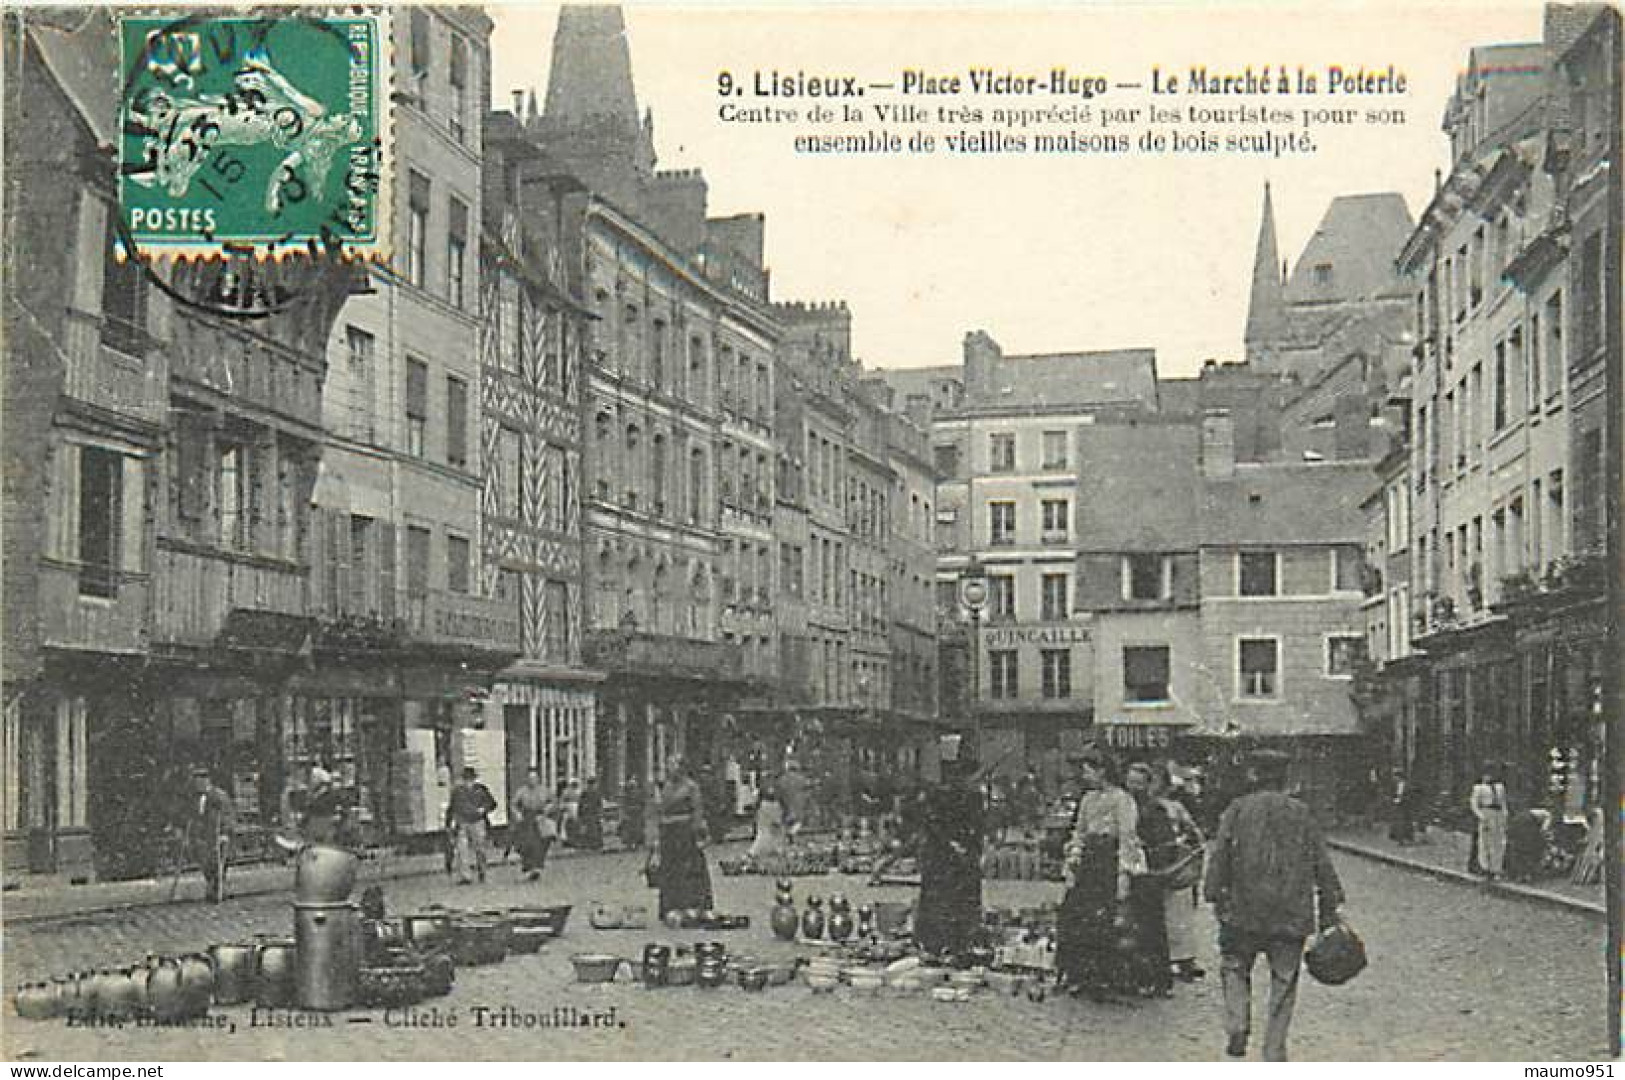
166 994
35 1001
812 920
656 964
866 921
274 974
124 994
323 874
233 973
840 918
197 983
784 920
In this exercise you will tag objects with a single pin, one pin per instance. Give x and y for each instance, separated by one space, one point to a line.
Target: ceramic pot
784 920
840 919
197 983
323 874
656 964
812 920
35 1001
233 973
711 950
120 998
274 966
866 921
429 931
166 992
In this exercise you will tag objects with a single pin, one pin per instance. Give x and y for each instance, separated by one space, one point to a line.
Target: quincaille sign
1036 635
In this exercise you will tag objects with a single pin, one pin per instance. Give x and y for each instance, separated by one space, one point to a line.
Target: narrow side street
1456 973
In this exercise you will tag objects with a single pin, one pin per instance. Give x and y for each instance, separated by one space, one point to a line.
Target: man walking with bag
466 820
1269 867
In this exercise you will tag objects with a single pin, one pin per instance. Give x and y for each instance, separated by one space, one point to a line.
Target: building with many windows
677 388
162 578
1004 435
403 588
1514 317
533 335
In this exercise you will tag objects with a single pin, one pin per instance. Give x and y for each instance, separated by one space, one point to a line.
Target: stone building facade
1513 319
409 601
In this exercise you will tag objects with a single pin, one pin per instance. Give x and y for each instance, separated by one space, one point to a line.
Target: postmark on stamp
255 134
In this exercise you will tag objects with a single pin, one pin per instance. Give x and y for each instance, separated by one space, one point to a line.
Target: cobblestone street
1456 973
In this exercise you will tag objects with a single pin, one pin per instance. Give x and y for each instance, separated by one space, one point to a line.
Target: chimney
1218 445
982 356
1352 436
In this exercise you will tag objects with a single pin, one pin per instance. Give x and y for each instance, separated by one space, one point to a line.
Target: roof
1358 237
1137 485
1059 380
85 63
1289 503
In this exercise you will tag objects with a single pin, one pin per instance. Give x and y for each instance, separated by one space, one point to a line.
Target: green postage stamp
255 133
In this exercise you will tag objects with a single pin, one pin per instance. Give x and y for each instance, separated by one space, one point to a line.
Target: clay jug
784 919
197 983
656 964
233 973
104 996
274 974
812 920
119 998
840 918
324 874
166 995
34 1001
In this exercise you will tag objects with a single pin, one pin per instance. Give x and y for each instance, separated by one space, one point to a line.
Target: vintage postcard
868 532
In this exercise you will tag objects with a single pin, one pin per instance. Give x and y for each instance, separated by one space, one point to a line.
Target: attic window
1323 273
1254 498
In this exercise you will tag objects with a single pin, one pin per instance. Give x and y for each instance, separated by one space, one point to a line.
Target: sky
1047 253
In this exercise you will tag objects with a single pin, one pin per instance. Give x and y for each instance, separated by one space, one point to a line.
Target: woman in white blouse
1102 858
1489 805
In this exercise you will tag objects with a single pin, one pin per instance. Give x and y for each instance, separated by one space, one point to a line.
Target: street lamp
973 596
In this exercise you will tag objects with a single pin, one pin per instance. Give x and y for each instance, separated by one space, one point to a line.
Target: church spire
1266 303
591 75
590 121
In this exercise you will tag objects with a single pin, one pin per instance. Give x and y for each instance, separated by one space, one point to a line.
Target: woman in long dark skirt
678 869
1103 856
1153 972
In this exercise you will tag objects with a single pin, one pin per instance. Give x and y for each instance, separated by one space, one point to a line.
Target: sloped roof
1359 236
1289 503
85 63
1058 380
1137 485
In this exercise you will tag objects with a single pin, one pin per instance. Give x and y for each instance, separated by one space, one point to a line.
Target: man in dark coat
1269 867
950 907
208 829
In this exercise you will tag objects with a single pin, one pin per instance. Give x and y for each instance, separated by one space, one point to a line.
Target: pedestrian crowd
1135 858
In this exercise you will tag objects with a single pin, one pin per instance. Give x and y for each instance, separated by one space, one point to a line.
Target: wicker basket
398 983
